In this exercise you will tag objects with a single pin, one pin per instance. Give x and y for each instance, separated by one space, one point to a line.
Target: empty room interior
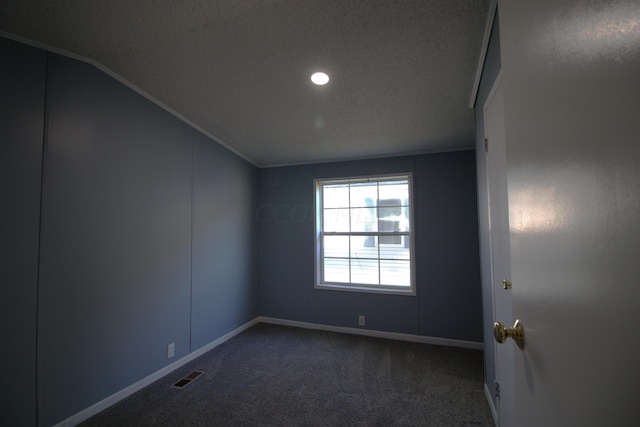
175 177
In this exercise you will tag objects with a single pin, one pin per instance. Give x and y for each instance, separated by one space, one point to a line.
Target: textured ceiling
402 71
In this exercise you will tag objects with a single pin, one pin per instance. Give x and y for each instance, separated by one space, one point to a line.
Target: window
364 234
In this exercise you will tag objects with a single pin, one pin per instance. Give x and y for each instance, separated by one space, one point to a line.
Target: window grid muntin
350 257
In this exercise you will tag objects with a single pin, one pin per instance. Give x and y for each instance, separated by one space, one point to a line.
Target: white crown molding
128 84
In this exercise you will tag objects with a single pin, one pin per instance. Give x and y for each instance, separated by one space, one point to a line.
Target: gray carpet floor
273 375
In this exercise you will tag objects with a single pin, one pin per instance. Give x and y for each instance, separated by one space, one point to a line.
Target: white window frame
320 233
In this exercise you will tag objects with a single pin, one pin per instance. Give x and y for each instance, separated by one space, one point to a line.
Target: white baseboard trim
373 333
128 391
494 413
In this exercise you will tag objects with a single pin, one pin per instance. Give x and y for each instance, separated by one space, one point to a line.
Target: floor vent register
188 379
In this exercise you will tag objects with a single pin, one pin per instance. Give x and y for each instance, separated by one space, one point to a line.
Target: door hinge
496 389
486 145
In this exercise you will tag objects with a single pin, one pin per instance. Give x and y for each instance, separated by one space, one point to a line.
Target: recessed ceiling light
320 78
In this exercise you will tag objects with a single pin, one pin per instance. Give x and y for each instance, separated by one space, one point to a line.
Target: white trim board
492 407
100 406
372 157
214 138
105 403
377 334
128 84
483 53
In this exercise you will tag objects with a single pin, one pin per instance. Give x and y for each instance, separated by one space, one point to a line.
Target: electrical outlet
361 320
171 350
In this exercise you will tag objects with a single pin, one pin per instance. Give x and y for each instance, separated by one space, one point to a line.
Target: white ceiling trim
493 7
236 72
382 156
44 46
128 84
215 139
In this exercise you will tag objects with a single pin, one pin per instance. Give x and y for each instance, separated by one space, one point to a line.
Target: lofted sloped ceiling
402 71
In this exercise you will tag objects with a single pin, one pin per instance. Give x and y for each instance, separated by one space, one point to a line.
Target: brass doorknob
500 333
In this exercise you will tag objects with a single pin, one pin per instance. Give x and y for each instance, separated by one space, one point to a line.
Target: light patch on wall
543 201
536 209
593 32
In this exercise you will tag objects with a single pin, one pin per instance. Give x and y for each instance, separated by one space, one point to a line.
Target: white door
571 77
499 236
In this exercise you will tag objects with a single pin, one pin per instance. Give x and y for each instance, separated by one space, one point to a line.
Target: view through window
364 237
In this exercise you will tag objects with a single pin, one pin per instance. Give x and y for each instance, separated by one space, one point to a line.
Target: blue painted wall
448 300
116 239
22 83
148 236
225 235
124 230
489 74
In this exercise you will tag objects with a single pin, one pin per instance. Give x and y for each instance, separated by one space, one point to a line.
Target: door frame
502 305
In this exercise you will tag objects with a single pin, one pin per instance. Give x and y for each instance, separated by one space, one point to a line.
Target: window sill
365 289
